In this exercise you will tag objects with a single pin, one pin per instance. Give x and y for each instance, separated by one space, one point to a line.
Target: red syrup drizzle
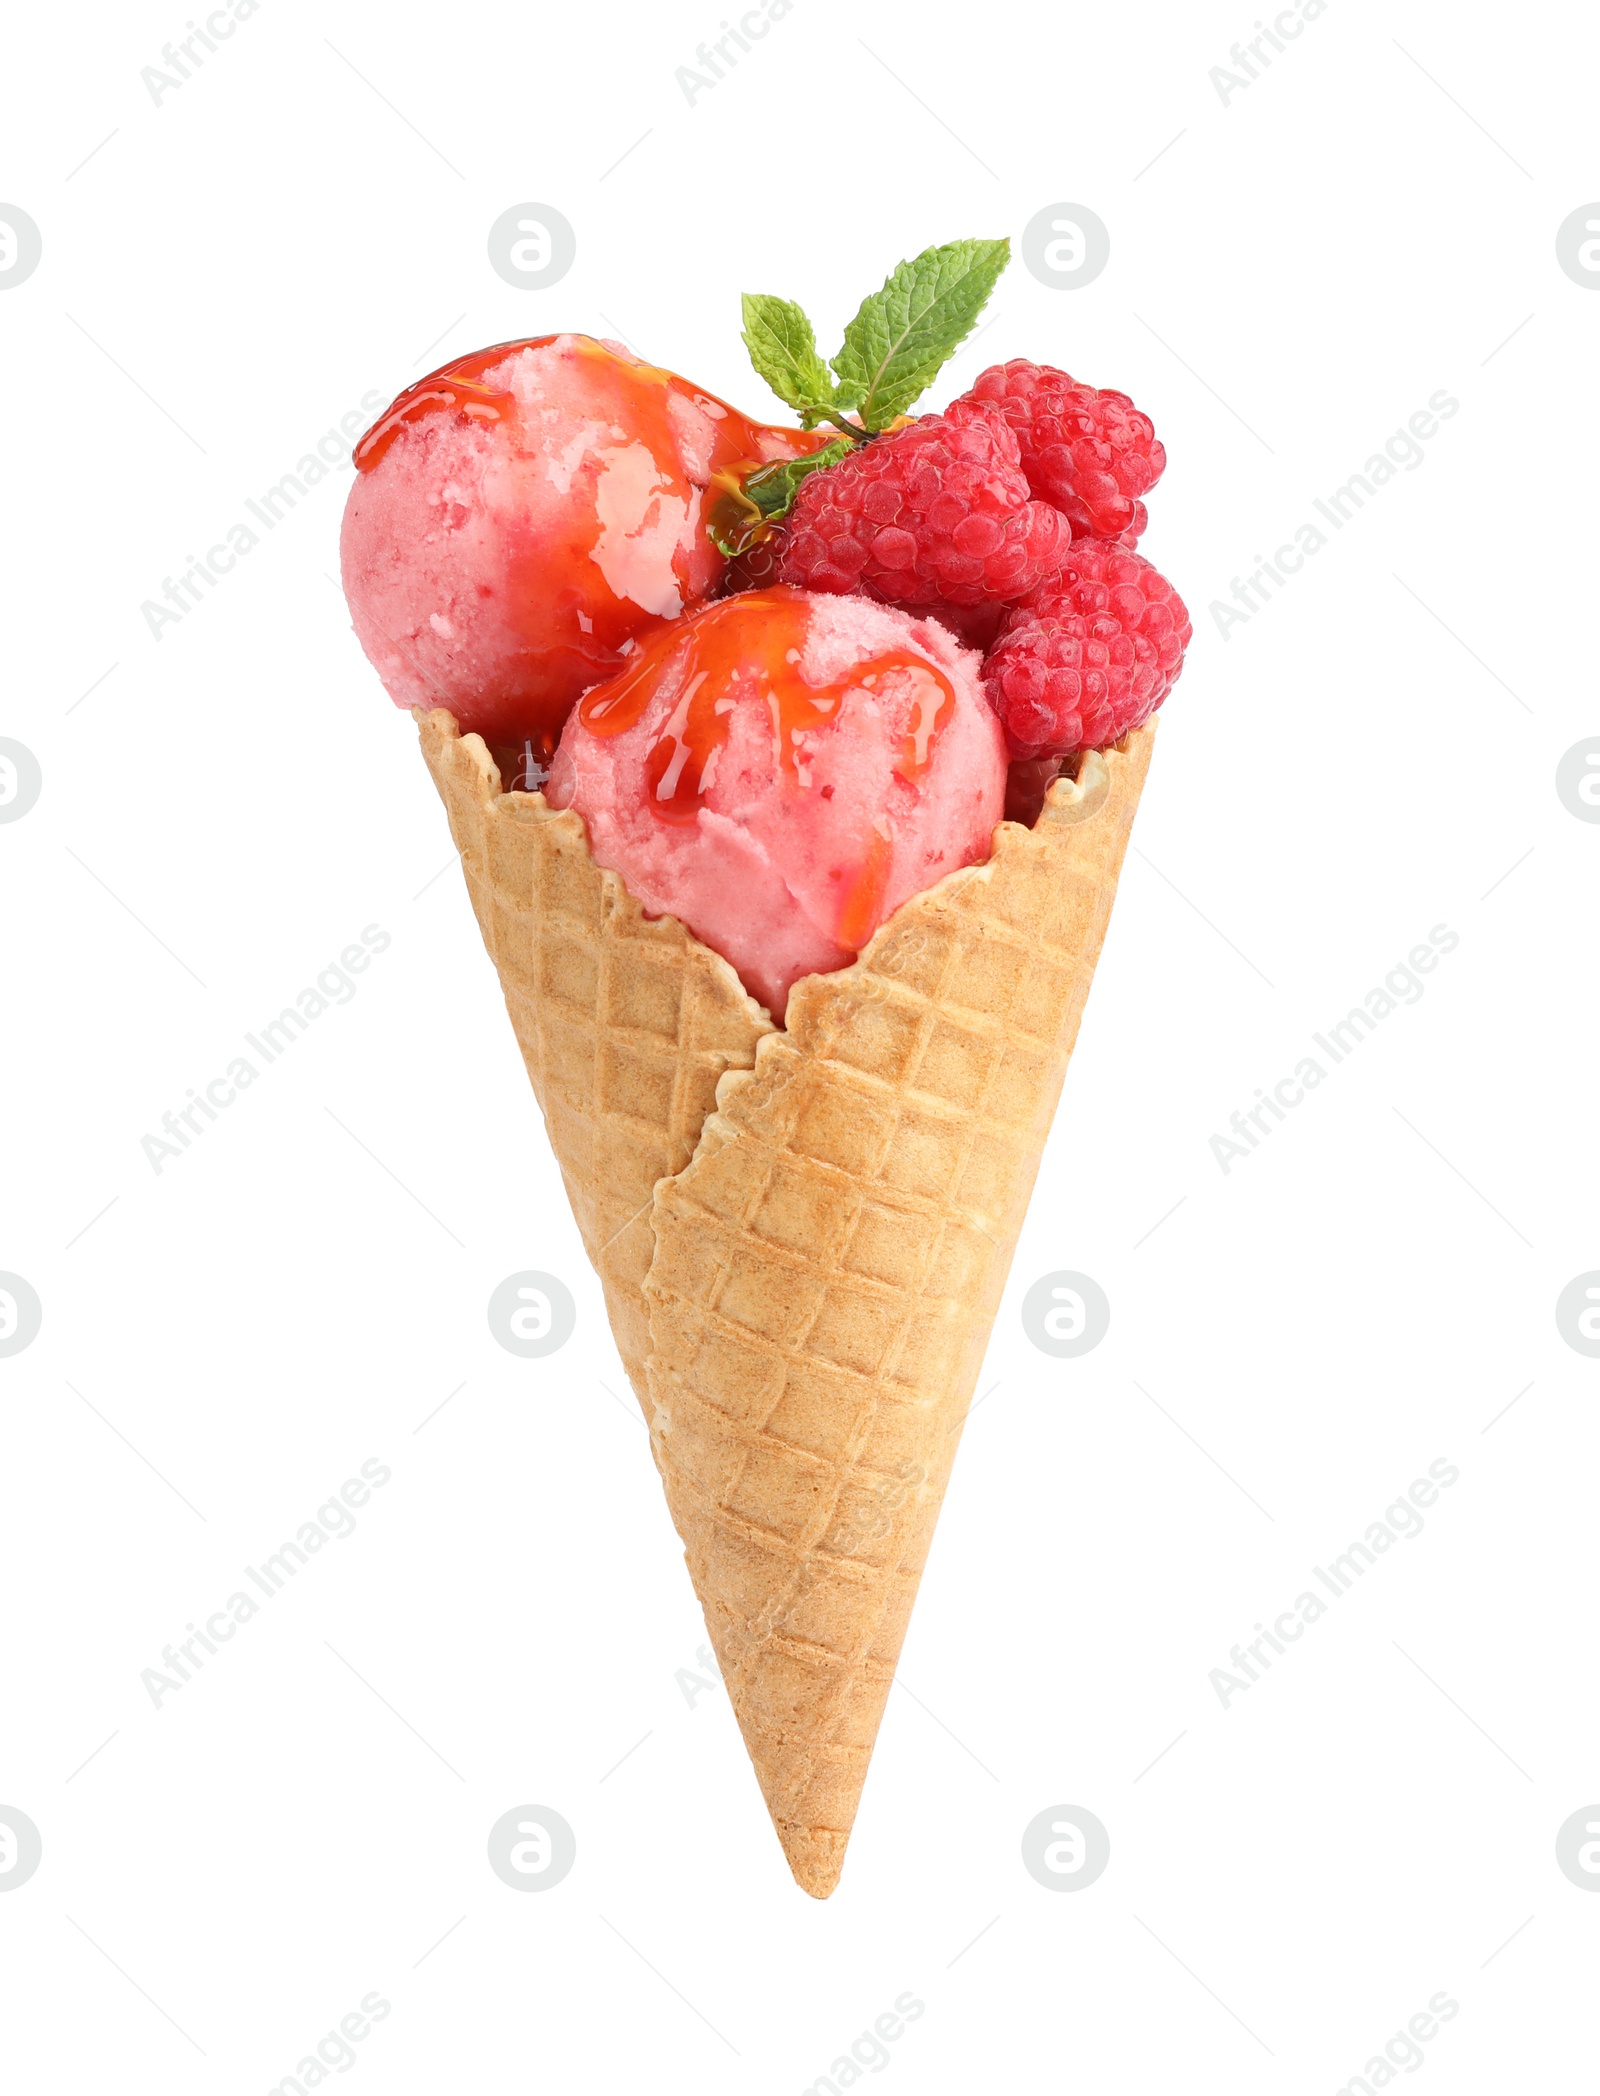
569 627
639 397
748 649
456 388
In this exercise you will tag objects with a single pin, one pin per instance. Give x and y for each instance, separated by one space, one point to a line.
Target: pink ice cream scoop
781 771
519 516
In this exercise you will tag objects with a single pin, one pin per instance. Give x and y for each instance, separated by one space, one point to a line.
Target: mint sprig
893 349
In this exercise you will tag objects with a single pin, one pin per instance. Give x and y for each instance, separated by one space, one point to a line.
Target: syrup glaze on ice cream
639 393
780 771
456 388
753 640
521 514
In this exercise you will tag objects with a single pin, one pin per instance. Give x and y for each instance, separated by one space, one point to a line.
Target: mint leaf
784 351
903 333
744 515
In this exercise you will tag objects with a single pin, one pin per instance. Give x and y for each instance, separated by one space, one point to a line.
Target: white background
224 809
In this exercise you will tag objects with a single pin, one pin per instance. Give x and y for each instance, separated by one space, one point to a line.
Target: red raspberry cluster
1089 656
1089 452
1012 518
937 512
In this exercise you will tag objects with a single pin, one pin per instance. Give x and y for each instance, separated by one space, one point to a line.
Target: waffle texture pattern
804 1290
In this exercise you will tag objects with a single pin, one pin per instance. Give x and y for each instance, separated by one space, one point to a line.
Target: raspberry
1135 531
1089 656
1090 453
937 513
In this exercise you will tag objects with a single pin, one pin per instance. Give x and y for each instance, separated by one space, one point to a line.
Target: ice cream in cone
796 1003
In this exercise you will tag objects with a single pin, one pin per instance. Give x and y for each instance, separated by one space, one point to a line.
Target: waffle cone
625 1022
802 1235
